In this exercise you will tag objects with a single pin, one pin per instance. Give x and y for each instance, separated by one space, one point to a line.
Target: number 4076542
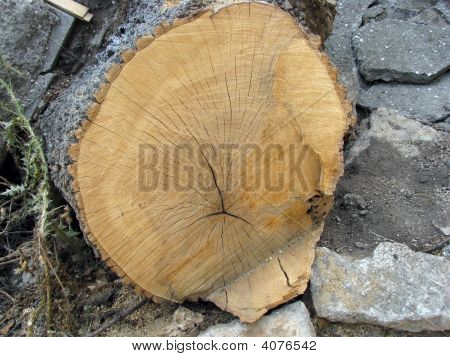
289 345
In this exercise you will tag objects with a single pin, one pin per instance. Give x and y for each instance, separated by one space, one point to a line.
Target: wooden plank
73 8
88 17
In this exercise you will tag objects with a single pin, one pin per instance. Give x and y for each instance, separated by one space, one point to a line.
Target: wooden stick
120 316
72 8
7 295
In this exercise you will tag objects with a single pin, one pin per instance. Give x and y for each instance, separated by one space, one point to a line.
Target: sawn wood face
210 162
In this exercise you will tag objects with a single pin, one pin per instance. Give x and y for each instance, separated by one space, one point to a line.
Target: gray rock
443 125
443 223
430 16
289 321
57 39
361 245
354 202
446 252
32 36
339 44
338 48
444 9
423 102
26 28
392 50
405 9
184 323
401 133
373 13
350 13
396 288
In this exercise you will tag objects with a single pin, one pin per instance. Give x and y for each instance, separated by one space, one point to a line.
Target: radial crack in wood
209 164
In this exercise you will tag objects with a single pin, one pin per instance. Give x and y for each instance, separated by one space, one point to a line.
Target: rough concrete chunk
446 252
339 45
32 36
444 9
26 28
401 133
396 288
405 9
373 13
57 39
392 50
289 321
430 16
423 102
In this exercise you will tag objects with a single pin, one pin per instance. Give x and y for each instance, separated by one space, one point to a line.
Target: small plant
32 198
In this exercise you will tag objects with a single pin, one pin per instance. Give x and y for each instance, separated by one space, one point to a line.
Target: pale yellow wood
276 281
73 8
88 17
244 77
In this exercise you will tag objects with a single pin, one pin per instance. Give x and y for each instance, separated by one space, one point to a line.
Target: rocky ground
393 54
382 268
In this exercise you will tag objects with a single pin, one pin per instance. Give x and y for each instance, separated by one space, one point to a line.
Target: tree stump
208 164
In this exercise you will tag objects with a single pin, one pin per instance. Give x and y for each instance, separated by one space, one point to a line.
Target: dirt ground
384 197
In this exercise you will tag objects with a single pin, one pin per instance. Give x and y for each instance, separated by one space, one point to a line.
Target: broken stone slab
288 321
33 36
405 9
401 133
26 28
444 9
443 223
446 252
431 16
57 39
350 13
396 288
338 46
392 50
423 102
443 125
373 13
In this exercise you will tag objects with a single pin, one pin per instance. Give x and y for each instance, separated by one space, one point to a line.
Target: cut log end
209 164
